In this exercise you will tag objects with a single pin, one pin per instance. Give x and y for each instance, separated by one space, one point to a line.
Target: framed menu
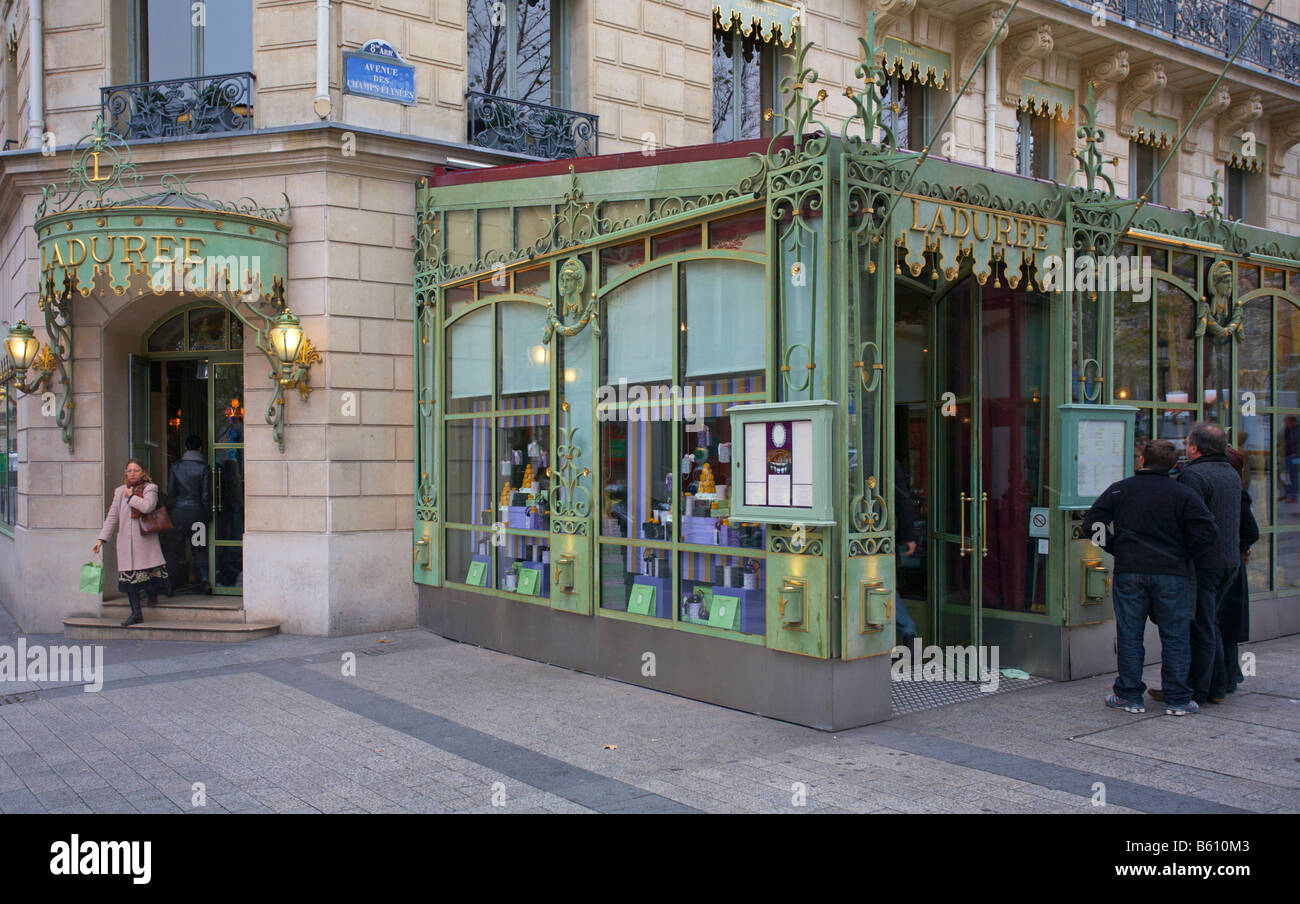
1099 450
782 467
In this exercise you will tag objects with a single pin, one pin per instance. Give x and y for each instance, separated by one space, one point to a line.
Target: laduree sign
377 70
956 230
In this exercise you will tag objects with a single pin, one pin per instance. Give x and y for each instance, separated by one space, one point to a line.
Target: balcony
174 108
528 128
1217 26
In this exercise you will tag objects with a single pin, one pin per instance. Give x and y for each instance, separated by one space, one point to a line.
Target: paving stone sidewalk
428 725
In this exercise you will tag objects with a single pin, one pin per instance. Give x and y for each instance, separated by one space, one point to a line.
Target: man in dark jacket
1216 482
1153 527
189 487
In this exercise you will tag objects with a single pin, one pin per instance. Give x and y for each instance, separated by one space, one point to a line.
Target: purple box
753 608
698 530
517 516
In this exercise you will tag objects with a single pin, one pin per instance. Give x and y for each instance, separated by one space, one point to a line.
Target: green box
529 581
789 445
642 600
1096 451
477 574
724 611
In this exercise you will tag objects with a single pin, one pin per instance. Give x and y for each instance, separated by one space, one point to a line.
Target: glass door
226 458
955 503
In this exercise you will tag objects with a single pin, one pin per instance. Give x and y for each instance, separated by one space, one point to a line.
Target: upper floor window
907 112
744 72
177 39
512 49
1245 188
1035 145
1143 161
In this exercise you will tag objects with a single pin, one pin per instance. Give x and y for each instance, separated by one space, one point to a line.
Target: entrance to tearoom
188 380
971 424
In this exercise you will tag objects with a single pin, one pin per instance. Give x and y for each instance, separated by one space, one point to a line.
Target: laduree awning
1157 131
919 64
1239 159
1043 99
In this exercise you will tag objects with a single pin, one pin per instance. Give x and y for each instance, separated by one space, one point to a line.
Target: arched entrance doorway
186 389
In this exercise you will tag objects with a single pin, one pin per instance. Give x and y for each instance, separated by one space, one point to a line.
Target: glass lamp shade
22 346
286 337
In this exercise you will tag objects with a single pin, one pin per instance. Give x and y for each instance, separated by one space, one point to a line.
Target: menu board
779 464
1101 455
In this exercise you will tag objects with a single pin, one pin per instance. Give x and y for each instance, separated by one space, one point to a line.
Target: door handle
961 518
984 525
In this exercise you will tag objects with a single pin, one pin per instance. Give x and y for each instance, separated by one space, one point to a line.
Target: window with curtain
512 49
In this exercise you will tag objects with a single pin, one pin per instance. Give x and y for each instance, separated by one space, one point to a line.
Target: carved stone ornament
572 280
1107 69
1221 314
1024 47
976 30
1217 103
889 13
1242 114
1145 83
1284 132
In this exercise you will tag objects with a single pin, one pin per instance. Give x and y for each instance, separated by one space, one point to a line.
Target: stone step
182 609
89 627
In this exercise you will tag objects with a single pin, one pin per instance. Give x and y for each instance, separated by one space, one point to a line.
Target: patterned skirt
145 580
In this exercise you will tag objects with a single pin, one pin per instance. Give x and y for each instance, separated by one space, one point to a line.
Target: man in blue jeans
1154 527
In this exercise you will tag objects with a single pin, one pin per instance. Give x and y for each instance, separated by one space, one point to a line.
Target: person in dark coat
1215 481
904 545
1154 527
189 487
1234 614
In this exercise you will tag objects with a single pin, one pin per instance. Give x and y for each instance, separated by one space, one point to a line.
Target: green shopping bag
92 578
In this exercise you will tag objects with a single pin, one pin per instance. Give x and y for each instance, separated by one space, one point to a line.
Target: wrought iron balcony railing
1216 25
528 128
180 106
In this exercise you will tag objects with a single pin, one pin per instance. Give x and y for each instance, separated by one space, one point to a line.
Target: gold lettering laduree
72 251
983 225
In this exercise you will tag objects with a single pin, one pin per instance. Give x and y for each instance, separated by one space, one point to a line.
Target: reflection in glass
468 454
737 83
636 483
1287 356
637 579
469 557
1254 358
725 591
1175 347
1287 448
1286 561
523 362
170 337
207 329
1259 570
469 362
1254 440
1132 348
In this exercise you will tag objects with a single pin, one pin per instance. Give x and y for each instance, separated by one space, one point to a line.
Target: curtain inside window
639 317
469 344
525 361
725 324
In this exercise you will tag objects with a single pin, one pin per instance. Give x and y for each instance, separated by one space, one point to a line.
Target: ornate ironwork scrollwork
870 546
170 108
811 547
525 127
571 499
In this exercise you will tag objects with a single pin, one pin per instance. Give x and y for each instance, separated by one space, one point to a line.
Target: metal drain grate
915 696
377 651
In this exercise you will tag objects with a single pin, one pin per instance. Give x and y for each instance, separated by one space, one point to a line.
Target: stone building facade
327 521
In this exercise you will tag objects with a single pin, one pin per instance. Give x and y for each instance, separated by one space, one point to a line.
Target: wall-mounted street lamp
286 337
24 351
291 355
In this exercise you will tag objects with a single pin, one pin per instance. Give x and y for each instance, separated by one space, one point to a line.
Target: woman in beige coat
140 563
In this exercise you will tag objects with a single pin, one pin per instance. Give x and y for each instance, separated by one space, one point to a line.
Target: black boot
133 597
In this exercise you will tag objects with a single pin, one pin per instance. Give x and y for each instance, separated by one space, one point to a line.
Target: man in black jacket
189 487
1153 526
1217 483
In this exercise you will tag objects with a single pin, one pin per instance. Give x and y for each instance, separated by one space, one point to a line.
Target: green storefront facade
593 336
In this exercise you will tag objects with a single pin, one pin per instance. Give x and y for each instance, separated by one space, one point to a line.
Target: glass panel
1286 561
1288 470
1247 278
911 440
236 334
532 223
455 299
469 557
486 46
744 232
1132 348
1254 359
1175 348
636 481
622 211
533 58
522 479
1287 356
1218 380
228 472
169 38
704 481
1259 570
1175 425
1274 279
1159 258
228 38
1015 415
469 355
1141 432
496 230
637 579
736 74
170 337
620 259
460 237
1185 266
954 370
1256 441
519 556
639 333
468 486
207 329
687 239
496 284
723 590
536 281
724 304
896 94
524 366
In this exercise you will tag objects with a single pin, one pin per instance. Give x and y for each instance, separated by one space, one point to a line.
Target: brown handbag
156 521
